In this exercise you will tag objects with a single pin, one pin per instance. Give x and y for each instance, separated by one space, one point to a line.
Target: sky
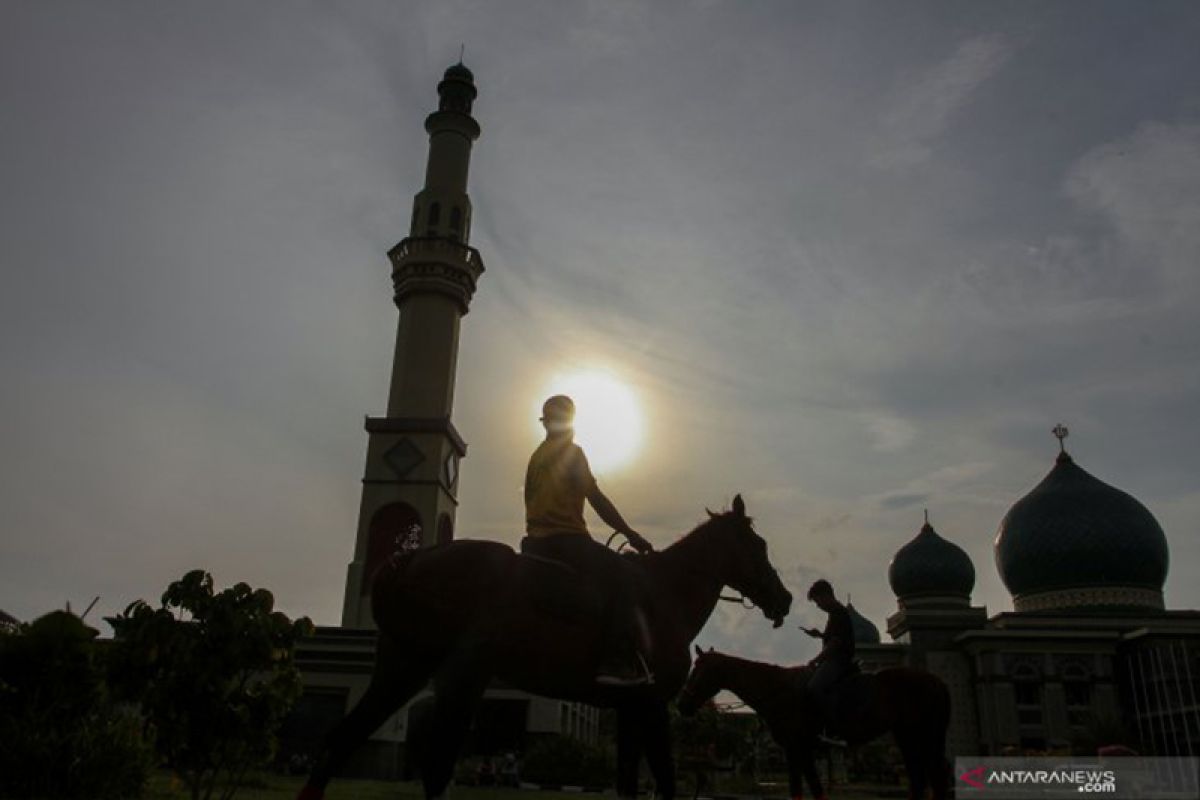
854 259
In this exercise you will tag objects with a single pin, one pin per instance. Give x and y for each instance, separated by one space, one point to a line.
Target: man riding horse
557 482
836 658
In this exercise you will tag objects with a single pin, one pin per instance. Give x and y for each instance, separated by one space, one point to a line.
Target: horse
465 612
912 704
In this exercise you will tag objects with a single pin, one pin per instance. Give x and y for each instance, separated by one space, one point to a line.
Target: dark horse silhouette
913 704
465 612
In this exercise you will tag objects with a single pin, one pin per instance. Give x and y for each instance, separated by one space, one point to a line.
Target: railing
439 246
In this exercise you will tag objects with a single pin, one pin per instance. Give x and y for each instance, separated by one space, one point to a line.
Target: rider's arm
608 512
604 507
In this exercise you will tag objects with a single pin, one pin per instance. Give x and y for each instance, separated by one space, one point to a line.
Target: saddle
561 591
853 694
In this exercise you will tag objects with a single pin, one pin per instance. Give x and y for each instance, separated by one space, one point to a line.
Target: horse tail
389 573
942 716
939 775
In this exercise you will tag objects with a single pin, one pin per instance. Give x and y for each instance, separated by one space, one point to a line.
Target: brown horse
466 612
912 704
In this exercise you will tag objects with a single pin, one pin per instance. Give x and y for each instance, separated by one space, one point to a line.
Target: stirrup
829 739
644 678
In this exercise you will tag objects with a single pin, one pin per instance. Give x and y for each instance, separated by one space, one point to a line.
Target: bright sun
608 419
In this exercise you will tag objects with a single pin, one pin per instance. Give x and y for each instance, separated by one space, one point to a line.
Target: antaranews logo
1002 778
1081 780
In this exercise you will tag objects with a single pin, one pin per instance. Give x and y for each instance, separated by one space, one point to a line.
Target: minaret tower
411 477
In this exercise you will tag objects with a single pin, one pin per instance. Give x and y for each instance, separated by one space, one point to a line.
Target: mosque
1089 656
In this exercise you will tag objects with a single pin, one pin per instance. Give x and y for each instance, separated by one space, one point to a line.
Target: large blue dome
930 569
1074 541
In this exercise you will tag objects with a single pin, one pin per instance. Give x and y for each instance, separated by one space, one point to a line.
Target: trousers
607 568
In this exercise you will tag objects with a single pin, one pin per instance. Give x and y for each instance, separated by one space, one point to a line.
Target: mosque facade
1089 656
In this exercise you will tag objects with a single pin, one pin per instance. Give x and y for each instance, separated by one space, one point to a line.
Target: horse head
743 562
703 682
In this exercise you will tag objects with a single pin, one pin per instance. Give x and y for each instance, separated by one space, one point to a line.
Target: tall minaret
411 475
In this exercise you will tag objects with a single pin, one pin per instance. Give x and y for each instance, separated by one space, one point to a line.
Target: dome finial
926 510
462 51
1060 432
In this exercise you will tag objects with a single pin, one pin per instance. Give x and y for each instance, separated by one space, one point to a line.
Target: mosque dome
865 631
931 571
1075 542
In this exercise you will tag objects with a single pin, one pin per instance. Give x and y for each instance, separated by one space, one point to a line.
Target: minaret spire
1060 432
411 480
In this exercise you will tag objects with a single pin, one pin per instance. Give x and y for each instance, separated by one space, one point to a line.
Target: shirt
838 637
557 482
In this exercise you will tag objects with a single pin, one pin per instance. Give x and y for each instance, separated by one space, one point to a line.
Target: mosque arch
394 528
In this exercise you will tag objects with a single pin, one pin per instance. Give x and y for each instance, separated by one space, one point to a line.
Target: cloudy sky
855 259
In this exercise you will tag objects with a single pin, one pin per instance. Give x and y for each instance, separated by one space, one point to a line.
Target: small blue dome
931 567
865 631
1076 541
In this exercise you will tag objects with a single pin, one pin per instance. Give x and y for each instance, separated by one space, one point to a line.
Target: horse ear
739 507
711 515
699 652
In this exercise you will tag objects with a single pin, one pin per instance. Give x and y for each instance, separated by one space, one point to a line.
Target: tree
61 735
213 675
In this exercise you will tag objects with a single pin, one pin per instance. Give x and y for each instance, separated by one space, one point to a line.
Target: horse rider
557 482
837 646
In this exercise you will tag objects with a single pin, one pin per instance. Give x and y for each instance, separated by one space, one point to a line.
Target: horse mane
777 672
714 519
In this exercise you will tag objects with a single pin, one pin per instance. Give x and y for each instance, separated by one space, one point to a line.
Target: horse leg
458 689
801 769
937 768
630 743
394 682
658 750
914 765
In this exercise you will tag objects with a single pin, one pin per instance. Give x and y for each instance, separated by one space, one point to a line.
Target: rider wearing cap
557 482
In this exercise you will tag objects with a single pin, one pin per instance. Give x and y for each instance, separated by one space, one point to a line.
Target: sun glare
608 419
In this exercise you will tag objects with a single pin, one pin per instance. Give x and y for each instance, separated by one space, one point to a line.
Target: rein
740 599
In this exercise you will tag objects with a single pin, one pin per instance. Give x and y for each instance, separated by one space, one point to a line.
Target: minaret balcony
435 264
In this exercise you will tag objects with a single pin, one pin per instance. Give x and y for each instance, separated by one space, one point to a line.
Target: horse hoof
311 793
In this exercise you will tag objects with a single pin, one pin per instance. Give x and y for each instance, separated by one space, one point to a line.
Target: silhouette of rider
557 482
837 646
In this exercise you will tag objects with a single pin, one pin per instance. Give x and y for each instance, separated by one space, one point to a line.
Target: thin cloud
924 103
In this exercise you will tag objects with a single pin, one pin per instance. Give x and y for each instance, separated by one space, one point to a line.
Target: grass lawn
279 787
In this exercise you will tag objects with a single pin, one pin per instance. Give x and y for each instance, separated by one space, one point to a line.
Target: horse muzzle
779 610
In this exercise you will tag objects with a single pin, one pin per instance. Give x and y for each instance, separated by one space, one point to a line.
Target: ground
276 787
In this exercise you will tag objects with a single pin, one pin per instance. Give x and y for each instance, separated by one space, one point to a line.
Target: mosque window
415 217
1077 690
455 219
1027 689
435 214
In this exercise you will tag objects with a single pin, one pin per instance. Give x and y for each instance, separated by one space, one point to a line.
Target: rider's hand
638 542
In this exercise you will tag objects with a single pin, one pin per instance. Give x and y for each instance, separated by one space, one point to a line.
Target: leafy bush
62 735
213 674
568 762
